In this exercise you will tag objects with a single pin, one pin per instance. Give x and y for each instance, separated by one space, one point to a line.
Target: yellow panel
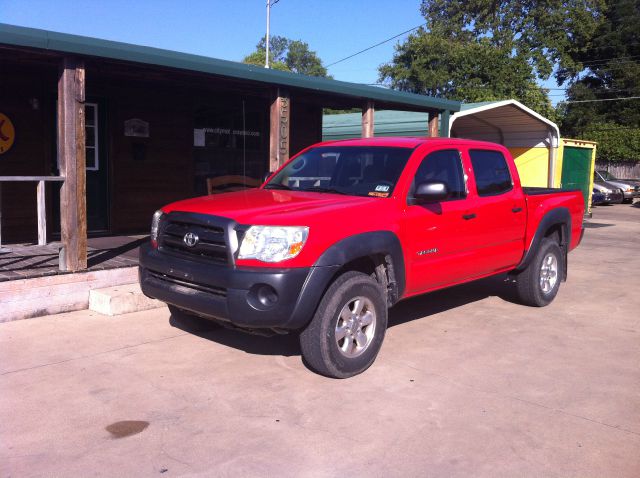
532 164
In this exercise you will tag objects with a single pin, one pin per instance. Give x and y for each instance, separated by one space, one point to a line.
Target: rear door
500 211
439 237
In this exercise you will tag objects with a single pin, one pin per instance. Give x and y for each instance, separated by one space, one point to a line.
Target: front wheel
347 330
538 284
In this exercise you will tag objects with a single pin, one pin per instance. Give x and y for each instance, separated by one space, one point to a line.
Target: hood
273 207
605 186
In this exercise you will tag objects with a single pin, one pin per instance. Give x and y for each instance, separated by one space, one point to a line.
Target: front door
97 170
440 237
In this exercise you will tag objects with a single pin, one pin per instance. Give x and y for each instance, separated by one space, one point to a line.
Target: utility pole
270 3
266 61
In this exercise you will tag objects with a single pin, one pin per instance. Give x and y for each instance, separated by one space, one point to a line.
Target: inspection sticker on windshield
378 195
382 188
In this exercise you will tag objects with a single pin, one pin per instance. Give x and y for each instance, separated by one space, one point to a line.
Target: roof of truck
402 142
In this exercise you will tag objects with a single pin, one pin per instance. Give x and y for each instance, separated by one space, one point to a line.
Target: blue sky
230 29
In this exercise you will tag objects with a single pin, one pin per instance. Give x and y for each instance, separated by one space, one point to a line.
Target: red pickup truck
346 229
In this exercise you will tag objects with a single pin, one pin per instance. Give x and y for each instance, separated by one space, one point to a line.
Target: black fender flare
558 216
375 243
367 244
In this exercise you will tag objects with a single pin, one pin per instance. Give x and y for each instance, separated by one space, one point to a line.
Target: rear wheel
538 284
347 330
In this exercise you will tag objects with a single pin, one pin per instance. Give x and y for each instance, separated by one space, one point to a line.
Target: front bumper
612 198
631 194
250 298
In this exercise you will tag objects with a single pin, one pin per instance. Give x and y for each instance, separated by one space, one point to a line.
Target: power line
602 99
619 59
373 46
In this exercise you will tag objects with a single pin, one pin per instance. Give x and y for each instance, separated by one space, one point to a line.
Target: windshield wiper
320 189
277 186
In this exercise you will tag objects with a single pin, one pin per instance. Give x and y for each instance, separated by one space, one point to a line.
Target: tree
593 46
615 142
546 33
459 67
288 55
612 70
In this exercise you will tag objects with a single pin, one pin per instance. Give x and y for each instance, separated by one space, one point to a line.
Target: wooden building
108 132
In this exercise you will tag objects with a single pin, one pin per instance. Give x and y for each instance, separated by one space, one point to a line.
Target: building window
91 136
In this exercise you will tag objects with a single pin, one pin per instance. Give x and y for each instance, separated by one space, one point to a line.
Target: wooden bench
225 184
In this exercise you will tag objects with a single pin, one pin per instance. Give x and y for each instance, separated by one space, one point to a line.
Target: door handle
466 217
516 209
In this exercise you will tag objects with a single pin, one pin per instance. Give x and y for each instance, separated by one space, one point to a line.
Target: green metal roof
80 45
470 106
387 123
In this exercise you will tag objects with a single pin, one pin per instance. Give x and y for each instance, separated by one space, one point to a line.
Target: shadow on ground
408 310
99 256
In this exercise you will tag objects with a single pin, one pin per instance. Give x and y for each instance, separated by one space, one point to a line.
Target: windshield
354 170
606 175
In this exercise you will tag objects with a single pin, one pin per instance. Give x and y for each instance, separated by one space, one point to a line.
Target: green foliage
258 58
615 142
288 55
542 32
612 71
463 69
478 50
331 111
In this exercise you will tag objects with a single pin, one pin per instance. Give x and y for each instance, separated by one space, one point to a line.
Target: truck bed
534 191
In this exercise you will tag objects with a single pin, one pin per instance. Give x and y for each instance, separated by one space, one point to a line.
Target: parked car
346 229
610 193
597 197
630 189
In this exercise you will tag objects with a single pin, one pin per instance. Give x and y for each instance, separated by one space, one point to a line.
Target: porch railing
41 200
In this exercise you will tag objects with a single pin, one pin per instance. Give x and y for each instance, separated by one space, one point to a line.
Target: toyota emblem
190 239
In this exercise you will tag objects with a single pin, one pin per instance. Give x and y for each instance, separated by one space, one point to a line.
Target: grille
217 291
211 245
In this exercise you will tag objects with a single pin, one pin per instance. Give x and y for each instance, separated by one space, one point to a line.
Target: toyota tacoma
346 229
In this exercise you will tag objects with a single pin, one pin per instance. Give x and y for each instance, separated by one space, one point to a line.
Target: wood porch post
71 159
433 124
279 129
368 124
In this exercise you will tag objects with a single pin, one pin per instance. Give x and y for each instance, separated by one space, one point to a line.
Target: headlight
155 223
273 243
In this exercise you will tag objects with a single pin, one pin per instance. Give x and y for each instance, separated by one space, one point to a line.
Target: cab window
442 166
491 172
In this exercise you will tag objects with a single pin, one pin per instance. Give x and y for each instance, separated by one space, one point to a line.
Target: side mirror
266 176
430 192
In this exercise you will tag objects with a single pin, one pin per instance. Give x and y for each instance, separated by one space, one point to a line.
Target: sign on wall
200 138
7 133
136 127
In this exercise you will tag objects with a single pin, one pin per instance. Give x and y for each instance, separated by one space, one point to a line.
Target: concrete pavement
467 384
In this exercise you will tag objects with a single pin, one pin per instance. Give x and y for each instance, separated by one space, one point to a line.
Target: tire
537 287
190 322
354 304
